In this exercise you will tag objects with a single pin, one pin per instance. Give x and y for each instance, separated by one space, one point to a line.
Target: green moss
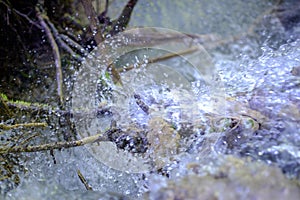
20 103
4 97
107 75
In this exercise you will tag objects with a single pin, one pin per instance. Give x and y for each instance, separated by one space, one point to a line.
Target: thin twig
121 23
115 73
61 43
56 55
27 18
94 22
83 180
172 55
161 58
49 110
74 44
52 146
30 138
8 127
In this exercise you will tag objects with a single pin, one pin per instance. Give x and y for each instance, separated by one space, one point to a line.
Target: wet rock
288 13
295 71
264 104
132 140
234 179
164 141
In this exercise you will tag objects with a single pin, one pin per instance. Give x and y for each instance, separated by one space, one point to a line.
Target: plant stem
52 146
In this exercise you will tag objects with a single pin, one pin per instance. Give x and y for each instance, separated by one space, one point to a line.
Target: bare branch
8 127
51 146
62 43
56 55
27 18
121 23
74 44
94 22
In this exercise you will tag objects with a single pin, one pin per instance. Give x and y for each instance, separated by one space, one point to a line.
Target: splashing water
263 86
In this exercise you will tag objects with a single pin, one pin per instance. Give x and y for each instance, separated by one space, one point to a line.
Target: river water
254 70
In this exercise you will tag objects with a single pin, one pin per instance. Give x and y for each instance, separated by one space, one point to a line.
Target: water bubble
127 192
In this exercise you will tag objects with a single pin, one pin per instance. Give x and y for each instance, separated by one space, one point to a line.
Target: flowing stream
231 97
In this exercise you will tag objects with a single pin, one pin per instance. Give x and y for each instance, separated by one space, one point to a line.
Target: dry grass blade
161 58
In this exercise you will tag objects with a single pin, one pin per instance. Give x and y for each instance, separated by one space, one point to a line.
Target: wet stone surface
234 179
